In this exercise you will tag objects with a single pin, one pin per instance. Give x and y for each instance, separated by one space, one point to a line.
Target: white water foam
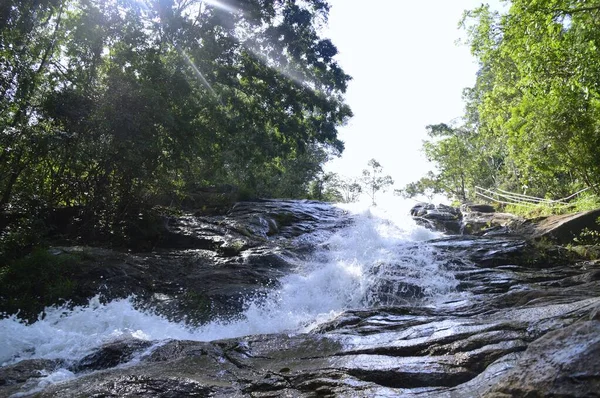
377 258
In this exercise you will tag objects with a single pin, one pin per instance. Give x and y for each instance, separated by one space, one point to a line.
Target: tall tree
109 104
540 97
532 118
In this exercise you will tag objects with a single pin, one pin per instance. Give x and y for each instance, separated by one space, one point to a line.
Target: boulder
469 219
440 217
561 229
477 207
481 223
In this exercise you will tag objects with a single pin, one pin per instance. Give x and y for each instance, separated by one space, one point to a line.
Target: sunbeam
222 6
197 71
292 75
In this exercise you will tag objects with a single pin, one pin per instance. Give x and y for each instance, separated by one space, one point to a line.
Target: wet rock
561 363
493 251
521 319
15 377
111 355
469 219
486 223
437 217
206 266
392 351
137 386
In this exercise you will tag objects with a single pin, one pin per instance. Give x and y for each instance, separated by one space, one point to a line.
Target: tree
537 92
533 117
111 105
374 181
429 185
350 190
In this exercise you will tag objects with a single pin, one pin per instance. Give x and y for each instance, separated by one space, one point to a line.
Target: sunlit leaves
115 101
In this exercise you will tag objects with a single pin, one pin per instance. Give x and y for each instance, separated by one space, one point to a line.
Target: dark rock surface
438 217
523 321
477 207
561 363
205 266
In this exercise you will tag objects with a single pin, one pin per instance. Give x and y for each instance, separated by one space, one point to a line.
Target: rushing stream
378 260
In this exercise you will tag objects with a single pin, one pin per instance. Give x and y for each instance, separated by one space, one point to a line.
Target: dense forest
111 107
532 119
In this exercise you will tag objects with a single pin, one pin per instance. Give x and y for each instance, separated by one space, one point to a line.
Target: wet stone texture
525 323
205 266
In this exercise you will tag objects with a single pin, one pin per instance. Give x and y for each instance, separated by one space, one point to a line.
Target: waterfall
381 258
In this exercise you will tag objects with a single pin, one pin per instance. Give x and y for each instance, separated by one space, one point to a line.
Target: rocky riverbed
421 315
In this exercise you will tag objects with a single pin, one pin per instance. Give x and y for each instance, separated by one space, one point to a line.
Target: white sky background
408 72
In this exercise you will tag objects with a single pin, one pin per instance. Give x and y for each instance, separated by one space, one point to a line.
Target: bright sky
407 72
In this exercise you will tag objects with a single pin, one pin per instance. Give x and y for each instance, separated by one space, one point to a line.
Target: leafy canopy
107 105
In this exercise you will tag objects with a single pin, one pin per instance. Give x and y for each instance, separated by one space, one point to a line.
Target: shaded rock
490 251
481 223
204 266
561 363
470 219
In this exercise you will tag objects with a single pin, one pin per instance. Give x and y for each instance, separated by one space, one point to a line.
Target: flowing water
382 258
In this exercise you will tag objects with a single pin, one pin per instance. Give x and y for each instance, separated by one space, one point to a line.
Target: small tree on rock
374 181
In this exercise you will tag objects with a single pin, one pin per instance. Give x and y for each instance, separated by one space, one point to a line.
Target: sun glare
222 6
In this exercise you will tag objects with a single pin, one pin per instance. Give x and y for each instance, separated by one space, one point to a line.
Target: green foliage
38 280
532 120
588 237
374 181
587 243
108 107
534 211
332 187
428 186
583 202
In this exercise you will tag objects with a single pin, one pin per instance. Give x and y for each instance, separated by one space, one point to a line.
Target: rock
441 218
481 223
111 355
561 363
16 376
561 229
477 207
503 250
470 219
203 266
518 318
389 351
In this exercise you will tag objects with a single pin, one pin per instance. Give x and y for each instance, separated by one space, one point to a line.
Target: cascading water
380 259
